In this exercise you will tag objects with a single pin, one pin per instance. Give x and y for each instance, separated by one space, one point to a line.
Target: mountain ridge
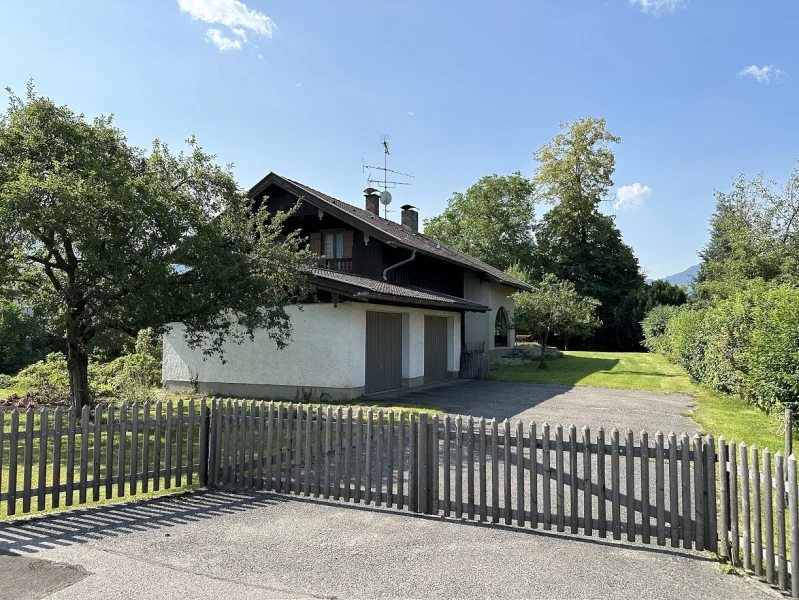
685 277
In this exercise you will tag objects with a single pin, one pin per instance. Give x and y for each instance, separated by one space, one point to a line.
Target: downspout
399 264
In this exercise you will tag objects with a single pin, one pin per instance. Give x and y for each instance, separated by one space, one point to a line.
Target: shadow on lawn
97 523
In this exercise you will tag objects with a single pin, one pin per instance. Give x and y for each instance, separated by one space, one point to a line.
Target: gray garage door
383 351
435 349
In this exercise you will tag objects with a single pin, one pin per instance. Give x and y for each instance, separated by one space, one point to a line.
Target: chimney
372 200
410 218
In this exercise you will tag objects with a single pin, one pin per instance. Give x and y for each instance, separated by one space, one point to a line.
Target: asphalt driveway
633 409
256 545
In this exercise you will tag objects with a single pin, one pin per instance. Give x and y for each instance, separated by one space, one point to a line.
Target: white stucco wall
320 355
480 326
328 351
500 295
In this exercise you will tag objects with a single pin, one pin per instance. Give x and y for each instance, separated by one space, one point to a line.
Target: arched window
501 326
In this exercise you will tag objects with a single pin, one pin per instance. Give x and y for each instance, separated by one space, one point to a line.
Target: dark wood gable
362 254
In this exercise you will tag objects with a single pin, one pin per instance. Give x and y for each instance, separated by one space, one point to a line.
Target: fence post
421 470
207 449
711 512
432 466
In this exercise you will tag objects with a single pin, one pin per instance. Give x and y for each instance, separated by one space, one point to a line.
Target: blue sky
463 88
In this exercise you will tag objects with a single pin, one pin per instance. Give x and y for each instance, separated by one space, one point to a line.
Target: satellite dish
385 198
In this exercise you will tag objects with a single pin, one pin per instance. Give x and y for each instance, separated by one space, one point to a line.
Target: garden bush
773 354
48 378
688 333
746 344
654 327
127 379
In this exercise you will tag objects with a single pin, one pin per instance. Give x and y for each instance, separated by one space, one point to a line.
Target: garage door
383 351
435 349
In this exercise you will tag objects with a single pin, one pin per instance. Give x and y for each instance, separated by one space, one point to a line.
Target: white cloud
240 21
410 114
299 84
631 196
763 74
658 7
221 41
260 57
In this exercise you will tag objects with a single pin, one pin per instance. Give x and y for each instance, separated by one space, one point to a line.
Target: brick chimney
410 218
372 200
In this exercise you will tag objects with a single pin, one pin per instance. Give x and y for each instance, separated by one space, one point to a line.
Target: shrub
47 378
149 342
654 327
134 369
730 325
773 354
688 333
6 381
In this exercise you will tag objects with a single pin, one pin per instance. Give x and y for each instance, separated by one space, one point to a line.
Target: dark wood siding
383 351
368 259
435 349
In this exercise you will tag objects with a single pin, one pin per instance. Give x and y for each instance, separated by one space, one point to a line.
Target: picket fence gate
672 490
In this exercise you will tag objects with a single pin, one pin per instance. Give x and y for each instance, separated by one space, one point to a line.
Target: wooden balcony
338 264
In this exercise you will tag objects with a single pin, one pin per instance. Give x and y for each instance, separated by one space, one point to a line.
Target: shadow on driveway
579 405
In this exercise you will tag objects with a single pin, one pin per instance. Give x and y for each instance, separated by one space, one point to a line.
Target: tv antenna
385 195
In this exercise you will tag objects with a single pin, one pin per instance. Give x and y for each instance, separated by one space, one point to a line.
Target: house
395 308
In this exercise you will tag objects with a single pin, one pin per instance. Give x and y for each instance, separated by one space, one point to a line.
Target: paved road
224 544
554 404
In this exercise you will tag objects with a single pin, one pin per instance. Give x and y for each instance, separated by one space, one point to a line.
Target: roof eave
377 233
362 294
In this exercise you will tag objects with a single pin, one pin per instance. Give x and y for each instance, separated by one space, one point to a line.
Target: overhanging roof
389 232
365 289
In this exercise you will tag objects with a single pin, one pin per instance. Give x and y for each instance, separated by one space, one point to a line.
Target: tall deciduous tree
754 233
577 242
100 236
493 220
554 307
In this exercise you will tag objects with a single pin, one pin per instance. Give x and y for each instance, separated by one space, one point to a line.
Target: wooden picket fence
670 490
102 453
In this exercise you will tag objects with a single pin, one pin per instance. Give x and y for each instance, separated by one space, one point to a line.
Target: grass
717 414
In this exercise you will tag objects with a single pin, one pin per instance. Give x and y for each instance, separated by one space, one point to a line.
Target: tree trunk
77 365
543 364
787 416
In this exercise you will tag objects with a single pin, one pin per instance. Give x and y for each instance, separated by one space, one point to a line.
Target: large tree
101 236
492 220
553 307
575 241
754 233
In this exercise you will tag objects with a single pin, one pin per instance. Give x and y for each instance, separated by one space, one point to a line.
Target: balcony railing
338 264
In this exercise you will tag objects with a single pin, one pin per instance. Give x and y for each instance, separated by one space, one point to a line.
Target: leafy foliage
493 220
149 343
754 235
576 242
655 326
772 357
23 339
554 307
48 378
104 237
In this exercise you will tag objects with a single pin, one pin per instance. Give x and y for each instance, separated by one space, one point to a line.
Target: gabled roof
365 289
394 234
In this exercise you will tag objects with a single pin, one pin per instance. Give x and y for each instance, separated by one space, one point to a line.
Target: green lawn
716 413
